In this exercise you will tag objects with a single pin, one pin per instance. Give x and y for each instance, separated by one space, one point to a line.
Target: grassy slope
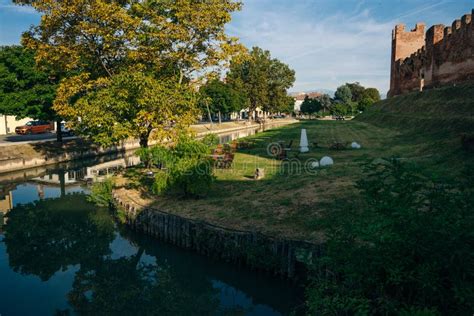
439 111
421 128
433 121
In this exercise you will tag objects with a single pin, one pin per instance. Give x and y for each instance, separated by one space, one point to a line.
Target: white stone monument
326 161
304 142
355 145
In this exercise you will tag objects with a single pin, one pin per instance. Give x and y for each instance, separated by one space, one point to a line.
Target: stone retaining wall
19 163
276 255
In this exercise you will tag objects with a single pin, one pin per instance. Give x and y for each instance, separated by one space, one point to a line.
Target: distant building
299 98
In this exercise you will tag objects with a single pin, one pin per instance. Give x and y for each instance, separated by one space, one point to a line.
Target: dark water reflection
59 254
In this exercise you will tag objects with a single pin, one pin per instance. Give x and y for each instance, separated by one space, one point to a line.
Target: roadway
13 139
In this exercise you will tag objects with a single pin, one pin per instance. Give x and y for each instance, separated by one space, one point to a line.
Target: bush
210 140
156 156
408 247
101 193
187 147
339 109
191 176
160 184
364 104
188 170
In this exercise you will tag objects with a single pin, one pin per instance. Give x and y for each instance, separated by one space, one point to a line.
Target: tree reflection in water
53 235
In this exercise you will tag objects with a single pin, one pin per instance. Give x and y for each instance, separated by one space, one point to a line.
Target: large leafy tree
25 91
326 102
310 106
372 93
280 79
219 98
134 104
97 40
263 80
343 94
250 76
357 91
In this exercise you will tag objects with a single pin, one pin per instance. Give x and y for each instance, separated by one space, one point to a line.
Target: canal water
61 255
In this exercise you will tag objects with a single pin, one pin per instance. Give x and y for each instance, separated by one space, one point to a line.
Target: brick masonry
443 55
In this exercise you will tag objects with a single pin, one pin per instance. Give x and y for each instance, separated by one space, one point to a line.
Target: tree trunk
62 182
135 260
220 119
209 114
59 134
144 141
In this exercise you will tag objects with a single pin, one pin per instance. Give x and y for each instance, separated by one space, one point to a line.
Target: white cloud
17 8
325 50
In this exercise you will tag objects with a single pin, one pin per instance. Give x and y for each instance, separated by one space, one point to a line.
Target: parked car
34 127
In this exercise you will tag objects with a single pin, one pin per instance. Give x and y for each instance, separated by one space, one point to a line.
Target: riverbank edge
279 256
22 163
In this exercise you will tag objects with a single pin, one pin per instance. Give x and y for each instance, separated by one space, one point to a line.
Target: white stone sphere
355 145
326 161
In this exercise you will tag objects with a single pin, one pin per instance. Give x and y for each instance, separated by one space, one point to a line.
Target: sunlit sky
327 42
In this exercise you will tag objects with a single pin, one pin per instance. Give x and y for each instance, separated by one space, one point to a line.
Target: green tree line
348 100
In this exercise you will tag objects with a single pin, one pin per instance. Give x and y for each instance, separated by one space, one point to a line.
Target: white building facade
8 124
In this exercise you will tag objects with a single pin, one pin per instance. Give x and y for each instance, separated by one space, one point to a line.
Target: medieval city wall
447 56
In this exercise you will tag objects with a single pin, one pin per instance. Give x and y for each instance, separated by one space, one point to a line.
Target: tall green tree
281 78
365 103
97 40
25 90
263 80
357 91
343 94
134 104
326 102
287 105
220 98
372 93
310 106
250 74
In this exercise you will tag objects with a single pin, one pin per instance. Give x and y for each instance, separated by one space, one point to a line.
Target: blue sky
327 42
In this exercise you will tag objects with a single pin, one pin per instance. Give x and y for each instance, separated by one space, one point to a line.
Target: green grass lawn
291 199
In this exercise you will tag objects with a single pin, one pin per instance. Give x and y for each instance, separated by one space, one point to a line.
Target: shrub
101 193
188 169
187 147
160 184
409 247
210 140
364 104
191 176
339 109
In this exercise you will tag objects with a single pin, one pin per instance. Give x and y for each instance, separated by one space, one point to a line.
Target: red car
34 127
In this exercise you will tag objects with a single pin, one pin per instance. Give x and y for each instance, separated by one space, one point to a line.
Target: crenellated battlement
442 55
399 31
